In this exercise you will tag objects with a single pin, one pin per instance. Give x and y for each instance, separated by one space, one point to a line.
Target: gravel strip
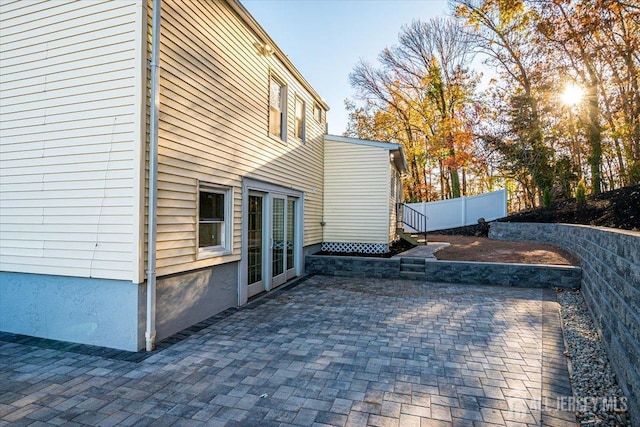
599 401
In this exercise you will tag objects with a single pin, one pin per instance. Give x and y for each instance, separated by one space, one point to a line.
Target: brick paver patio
329 351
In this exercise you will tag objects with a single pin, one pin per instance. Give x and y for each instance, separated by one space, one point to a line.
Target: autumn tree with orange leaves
516 130
539 48
419 95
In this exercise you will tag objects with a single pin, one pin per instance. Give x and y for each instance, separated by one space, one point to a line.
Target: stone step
404 260
413 275
406 236
412 267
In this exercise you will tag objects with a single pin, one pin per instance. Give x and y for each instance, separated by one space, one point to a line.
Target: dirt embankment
616 209
619 208
467 248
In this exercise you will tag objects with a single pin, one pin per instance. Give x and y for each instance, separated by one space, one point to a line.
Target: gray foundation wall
112 313
185 299
88 311
610 284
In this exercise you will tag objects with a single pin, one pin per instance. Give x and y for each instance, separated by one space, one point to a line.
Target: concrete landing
423 251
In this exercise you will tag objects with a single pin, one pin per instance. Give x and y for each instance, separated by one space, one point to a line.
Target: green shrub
634 173
581 193
546 197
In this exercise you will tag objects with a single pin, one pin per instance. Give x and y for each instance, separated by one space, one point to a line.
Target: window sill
204 253
277 138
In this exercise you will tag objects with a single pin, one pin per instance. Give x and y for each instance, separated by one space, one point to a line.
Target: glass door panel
291 232
255 245
278 242
255 239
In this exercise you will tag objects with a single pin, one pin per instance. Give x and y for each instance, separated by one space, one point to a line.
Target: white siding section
356 203
214 128
71 131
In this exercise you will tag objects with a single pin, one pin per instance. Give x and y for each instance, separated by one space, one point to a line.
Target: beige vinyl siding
214 90
356 204
71 100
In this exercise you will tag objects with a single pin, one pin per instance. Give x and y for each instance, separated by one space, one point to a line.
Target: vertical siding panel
69 131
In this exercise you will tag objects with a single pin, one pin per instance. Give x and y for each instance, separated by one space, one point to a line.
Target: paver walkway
330 351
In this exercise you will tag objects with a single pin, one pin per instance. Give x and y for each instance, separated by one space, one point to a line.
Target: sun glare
572 94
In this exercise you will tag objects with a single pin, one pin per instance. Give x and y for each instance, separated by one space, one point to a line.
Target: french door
272 245
283 247
256 253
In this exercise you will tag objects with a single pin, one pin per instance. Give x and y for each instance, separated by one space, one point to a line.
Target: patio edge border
610 260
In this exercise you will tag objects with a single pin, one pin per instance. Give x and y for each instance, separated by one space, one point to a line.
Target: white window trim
249 185
284 103
317 107
302 137
227 247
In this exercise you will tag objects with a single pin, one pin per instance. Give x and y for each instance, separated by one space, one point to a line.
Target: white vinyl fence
462 211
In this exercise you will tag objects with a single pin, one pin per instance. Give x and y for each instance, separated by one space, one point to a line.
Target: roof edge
389 146
244 14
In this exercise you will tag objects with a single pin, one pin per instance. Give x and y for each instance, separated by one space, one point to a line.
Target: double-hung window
214 225
317 113
277 108
300 122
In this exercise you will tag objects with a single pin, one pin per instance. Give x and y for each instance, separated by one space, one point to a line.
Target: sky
325 39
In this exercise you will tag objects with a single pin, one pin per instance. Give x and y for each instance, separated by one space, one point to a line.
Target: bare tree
424 81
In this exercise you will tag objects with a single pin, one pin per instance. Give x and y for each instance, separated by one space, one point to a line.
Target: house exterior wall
356 185
75 94
214 94
72 125
185 299
102 312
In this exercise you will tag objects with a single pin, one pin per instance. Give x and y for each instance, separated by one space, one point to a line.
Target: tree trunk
455 182
426 186
464 182
595 138
616 140
442 180
447 184
415 191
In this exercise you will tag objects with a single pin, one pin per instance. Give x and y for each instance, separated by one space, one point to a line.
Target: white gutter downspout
150 333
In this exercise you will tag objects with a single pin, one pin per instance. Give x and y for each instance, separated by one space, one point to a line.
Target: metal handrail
408 216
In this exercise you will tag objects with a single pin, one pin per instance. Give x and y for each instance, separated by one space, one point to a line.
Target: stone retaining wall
470 273
610 285
503 274
349 266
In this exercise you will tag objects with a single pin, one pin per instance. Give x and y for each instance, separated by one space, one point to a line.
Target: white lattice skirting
363 248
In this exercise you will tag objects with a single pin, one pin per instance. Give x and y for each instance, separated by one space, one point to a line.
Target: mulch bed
616 209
